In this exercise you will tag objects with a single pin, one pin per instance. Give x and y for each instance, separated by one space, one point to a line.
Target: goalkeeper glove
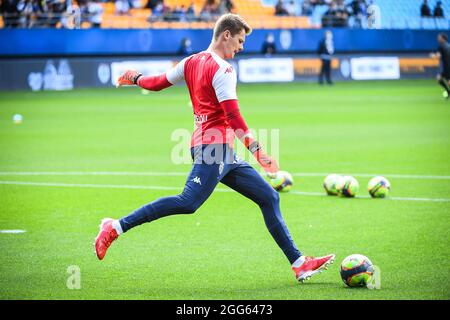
269 165
129 78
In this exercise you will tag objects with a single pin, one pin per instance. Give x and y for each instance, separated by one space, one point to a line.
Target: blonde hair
231 22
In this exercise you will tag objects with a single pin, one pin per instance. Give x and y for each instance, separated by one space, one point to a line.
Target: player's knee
189 207
270 197
274 197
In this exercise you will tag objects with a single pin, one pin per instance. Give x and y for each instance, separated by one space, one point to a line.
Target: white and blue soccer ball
347 186
282 182
330 183
379 187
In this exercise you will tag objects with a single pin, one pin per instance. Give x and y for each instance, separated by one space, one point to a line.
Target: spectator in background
136 4
268 46
336 16
438 10
208 11
291 8
56 10
357 10
26 9
280 9
157 11
425 10
326 51
307 8
10 13
122 7
179 13
190 12
373 16
225 6
151 4
95 11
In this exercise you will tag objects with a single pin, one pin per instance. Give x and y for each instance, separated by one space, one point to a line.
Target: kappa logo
229 69
197 180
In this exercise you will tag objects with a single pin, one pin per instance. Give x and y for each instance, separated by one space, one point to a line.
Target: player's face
235 44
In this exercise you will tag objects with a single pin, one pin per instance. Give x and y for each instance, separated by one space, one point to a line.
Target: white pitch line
119 173
91 173
118 186
12 231
371 175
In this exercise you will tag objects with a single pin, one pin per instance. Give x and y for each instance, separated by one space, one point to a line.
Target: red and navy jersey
210 80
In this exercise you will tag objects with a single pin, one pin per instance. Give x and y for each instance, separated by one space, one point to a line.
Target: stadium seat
442 24
428 23
414 23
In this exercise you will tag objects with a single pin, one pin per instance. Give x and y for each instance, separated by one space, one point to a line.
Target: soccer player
212 86
443 53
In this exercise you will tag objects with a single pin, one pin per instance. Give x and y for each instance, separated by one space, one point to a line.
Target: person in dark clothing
10 13
326 51
425 10
280 9
185 47
268 46
438 10
443 54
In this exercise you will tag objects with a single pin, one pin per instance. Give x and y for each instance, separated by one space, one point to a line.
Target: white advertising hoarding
266 70
375 68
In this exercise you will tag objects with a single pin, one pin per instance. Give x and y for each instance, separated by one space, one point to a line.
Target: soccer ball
347 186
379 187
282 182
356 270
329 184
17 119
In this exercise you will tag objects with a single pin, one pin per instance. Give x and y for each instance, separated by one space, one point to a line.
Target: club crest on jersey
229 69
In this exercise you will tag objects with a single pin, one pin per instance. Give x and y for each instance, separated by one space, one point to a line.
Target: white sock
116 225
298 262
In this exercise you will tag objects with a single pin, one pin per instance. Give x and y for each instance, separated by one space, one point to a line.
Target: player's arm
153 83
240 127
224 83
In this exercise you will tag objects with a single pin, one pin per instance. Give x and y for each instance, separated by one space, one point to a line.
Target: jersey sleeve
176 74
224 83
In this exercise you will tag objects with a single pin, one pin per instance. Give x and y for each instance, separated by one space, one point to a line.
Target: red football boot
105 237
312 266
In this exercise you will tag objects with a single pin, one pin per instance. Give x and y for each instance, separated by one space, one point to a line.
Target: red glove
129 78
267 163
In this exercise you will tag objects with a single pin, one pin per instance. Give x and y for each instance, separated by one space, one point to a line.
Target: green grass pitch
223 251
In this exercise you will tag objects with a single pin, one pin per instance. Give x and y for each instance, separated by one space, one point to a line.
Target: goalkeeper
212 86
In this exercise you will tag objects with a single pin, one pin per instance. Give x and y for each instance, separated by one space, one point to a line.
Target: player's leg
322 71
328 71
248 182
444 82
199 185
